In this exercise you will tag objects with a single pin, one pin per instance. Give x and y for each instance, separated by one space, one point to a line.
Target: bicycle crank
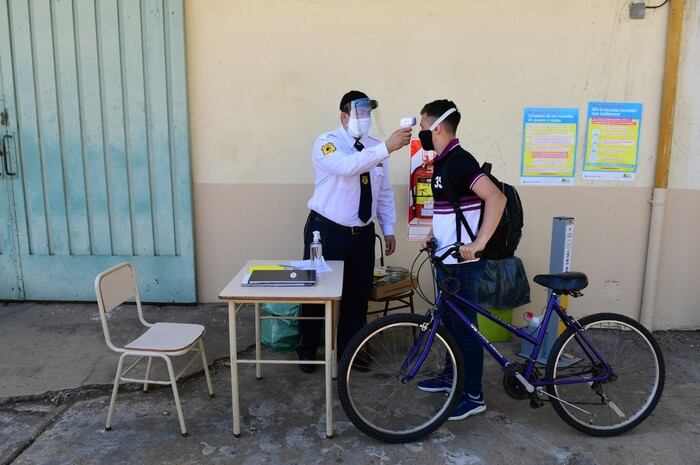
512 385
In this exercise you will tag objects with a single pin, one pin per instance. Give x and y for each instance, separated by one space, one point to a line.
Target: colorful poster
549 146
420 192
612 142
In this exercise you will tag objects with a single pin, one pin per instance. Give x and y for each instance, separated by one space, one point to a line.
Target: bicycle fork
427 329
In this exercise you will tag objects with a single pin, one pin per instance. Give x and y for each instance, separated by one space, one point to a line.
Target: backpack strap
453 198
486 168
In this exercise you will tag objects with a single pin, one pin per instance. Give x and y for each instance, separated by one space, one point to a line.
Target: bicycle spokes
616 380
386 399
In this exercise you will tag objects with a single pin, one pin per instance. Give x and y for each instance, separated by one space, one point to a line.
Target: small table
327 290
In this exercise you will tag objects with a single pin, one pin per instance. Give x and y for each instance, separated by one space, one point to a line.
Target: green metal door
96 98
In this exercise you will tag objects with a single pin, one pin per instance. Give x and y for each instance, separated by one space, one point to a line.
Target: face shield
360 121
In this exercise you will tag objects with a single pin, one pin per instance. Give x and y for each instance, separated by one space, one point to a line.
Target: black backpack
507 235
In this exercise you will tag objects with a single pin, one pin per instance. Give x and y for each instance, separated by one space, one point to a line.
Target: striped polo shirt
464 171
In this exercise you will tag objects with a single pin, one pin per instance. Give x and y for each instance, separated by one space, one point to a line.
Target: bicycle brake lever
430 245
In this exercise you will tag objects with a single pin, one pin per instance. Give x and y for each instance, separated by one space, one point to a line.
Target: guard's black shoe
306 356
307 368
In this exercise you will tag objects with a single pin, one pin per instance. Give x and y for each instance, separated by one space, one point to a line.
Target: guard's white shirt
338 166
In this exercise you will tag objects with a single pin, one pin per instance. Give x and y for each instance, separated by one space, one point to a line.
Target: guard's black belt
354 230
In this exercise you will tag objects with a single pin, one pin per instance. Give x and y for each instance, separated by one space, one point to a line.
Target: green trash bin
492 331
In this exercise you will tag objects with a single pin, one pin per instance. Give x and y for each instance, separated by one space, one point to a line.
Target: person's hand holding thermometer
402 136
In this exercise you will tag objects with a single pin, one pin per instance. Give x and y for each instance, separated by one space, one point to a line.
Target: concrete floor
56 376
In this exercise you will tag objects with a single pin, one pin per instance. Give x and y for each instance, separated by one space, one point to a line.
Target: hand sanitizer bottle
316 252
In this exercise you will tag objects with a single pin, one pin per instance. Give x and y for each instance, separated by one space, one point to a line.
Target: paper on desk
306 265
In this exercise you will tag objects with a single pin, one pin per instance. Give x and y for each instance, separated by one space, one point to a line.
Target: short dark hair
437 108
350 97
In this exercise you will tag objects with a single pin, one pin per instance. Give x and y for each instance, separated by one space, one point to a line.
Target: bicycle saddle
563 283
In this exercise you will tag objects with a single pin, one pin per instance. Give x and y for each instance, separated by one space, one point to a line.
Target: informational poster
549 146
420 192
612 142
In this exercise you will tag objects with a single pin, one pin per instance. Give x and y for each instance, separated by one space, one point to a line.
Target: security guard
351 189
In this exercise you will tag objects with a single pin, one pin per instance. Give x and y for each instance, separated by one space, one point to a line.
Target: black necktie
365 210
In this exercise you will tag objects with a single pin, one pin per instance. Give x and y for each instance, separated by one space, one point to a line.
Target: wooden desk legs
330 356
233 350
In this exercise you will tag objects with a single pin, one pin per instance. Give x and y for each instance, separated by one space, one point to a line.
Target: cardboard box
397 280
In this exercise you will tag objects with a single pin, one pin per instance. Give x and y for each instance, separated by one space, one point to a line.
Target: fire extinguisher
422 191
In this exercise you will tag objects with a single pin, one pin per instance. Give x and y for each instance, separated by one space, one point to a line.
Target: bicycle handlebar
431 247
452 250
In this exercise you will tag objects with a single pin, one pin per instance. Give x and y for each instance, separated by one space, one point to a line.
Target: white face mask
359 127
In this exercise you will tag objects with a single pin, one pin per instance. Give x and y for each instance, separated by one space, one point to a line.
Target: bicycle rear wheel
616 405
371 387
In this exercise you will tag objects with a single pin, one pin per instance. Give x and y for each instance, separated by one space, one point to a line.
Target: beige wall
611 228
265 78
678 299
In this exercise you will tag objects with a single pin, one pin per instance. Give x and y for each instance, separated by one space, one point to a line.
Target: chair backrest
381 249
113 287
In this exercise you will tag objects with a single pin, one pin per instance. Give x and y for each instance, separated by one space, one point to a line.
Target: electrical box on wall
637 10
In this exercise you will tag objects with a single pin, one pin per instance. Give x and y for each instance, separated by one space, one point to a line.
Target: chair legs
120 365
148 373
404 303
206 367
173 383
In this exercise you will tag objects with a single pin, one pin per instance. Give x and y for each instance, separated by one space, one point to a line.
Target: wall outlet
637 10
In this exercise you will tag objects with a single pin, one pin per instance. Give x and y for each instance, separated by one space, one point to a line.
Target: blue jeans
467 275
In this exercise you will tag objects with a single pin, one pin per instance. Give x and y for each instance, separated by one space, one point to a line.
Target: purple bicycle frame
552 306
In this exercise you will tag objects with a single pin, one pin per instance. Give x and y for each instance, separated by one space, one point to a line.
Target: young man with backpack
468 208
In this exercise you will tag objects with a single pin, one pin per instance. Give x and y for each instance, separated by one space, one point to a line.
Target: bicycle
604 375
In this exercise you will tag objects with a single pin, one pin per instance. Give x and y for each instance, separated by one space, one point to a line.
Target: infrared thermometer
407 122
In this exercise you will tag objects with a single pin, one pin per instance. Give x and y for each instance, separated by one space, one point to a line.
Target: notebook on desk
282 278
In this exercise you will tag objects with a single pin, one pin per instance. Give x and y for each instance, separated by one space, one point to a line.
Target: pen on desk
289 267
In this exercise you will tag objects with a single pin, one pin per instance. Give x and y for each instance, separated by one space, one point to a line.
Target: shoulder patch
328 148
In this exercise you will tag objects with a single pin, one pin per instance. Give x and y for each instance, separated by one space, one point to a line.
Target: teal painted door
96 96
10 286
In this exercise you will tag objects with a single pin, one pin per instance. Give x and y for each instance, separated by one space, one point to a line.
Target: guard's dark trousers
355 246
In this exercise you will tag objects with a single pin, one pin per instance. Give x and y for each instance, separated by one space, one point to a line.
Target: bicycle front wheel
630 392
372 384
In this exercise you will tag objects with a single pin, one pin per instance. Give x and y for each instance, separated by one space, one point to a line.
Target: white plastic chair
164 340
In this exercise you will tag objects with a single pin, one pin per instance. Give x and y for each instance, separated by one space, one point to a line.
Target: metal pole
559 262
